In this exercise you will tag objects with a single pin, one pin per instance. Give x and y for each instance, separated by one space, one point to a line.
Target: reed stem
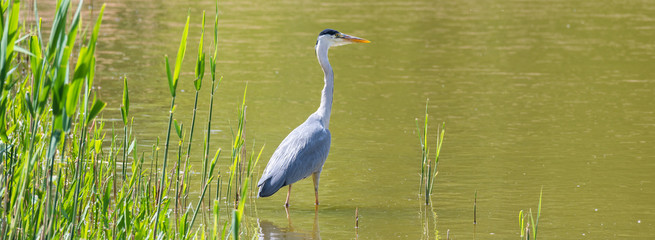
163 175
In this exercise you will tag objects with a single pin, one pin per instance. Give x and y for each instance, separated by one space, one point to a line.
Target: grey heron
304 151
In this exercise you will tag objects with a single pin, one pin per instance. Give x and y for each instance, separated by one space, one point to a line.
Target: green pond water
554 94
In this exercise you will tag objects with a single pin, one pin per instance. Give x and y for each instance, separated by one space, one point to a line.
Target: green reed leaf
171 84
96 108
178 128
96 29
179 59
72 32
125 108
200 62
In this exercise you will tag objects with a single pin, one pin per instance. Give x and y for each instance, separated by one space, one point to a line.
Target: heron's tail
267 187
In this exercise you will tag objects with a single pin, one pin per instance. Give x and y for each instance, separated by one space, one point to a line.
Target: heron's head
334 38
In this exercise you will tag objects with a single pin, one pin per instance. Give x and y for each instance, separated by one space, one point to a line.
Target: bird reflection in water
268 230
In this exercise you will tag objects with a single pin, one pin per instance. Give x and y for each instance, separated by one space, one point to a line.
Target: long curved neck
326 96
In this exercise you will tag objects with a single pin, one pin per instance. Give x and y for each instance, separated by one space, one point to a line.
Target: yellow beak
354 39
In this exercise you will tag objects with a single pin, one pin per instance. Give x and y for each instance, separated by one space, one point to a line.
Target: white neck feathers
325 108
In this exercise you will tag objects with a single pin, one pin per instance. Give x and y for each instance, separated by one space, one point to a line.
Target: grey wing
300 154
310 158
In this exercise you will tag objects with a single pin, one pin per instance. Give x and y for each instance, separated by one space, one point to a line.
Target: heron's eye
338 35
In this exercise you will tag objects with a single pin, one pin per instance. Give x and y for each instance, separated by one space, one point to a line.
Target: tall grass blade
204 189
173 87
475 207
428 167
536 224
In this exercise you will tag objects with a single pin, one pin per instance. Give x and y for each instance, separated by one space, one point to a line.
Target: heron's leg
286 204
315 177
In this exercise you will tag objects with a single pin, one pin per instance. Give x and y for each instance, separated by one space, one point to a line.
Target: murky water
553 94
